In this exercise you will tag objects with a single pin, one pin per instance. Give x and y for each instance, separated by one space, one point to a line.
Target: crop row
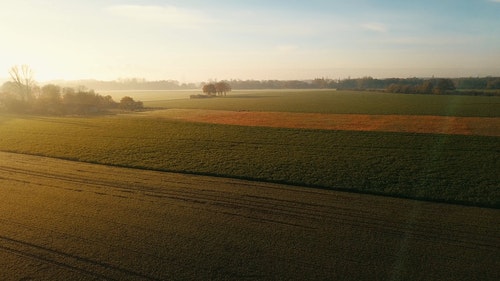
342 102
462 169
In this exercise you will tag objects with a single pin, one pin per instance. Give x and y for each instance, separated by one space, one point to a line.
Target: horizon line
145 80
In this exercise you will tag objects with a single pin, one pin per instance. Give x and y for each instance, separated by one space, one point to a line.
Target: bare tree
24 81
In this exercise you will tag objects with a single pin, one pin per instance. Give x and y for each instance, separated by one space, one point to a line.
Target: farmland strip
111 223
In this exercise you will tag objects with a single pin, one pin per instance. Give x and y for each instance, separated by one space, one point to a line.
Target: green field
342 102
459 169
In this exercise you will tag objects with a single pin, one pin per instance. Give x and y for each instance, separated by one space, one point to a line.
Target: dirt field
354 122
62 220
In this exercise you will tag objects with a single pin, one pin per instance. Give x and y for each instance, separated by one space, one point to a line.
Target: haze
198 40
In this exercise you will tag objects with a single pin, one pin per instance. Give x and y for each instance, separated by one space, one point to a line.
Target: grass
343 102
459 169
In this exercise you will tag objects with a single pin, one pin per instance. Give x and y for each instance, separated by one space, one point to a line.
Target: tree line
432 86
131 84
476 86
470 85
23 95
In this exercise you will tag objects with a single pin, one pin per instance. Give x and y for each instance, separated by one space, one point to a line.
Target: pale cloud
171 15
374 26
495 1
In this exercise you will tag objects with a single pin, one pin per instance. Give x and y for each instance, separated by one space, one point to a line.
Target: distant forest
471 85
23 94
130 84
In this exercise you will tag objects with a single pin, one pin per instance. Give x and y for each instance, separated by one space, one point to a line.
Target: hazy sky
197 40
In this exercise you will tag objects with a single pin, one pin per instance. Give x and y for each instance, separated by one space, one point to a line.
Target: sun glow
183 41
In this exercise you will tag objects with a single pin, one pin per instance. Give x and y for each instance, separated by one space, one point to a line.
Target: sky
202 40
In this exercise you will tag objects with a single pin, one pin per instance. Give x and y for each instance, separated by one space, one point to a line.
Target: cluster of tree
401 85
128 103
486 83
130 84
458 86
318 83
23 95
431 86
369 83
216 89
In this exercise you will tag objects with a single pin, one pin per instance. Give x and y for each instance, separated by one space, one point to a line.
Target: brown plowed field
63 220
482 126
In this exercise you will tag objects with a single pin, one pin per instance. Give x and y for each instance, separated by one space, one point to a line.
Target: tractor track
61 219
